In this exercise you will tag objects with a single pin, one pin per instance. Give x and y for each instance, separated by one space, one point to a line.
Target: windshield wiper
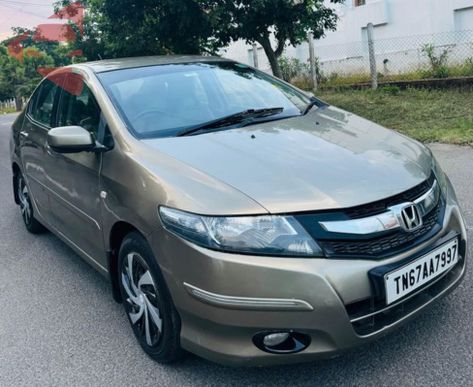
236 118
313 102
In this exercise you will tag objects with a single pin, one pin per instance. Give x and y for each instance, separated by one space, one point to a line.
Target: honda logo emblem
410 217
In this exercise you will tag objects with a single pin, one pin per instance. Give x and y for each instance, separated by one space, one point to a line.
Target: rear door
40 117
73 178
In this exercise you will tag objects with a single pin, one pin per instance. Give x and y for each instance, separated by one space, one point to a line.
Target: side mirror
71 139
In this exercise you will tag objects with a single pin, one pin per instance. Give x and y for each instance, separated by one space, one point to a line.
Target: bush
295 71
438 62
291 68
392 90
468 67
7 110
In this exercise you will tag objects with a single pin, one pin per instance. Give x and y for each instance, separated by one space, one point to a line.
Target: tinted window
43 102
159 101
78 105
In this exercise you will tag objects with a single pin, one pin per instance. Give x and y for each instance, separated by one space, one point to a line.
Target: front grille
373 246
371 315
378 247
382 205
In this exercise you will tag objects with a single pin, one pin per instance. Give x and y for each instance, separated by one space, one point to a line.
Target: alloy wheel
25 202
141 301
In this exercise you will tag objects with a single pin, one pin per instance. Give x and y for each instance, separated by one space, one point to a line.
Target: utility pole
373 69
313 65
255 55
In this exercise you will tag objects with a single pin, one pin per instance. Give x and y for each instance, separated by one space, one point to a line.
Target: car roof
143 61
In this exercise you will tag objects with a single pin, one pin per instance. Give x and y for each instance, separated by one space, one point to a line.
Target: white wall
392 19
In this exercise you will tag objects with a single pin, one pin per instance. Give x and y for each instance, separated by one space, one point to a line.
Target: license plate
405 280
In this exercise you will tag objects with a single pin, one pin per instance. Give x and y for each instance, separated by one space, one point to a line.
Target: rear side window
78 105
43 103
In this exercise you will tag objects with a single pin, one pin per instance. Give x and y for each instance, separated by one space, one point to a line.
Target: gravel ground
60 326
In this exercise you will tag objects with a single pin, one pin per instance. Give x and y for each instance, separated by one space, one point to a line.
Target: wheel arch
16 172
118 232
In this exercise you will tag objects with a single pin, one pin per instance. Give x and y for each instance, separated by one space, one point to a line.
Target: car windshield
165 100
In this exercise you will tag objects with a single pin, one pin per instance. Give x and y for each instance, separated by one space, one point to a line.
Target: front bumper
332 300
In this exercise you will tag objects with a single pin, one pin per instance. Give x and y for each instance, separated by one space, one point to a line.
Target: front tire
148 305
26 207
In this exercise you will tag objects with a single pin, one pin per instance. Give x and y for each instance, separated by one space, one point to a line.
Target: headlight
439 175
260 235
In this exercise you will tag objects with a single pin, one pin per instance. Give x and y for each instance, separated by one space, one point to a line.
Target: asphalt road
60 326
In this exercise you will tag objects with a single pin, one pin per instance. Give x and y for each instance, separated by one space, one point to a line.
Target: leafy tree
23 57
150 27
122 28
59 52
283 21
118 28
19 77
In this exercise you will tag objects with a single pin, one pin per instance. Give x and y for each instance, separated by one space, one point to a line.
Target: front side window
163 100
78 105
43 102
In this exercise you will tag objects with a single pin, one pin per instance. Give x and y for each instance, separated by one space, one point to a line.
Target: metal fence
440 55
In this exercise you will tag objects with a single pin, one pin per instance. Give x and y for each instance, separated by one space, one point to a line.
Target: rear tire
147 302
26 207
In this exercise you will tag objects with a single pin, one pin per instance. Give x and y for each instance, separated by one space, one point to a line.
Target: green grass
464 69
7 110
427 115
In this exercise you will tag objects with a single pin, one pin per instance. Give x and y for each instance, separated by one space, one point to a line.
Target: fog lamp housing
281 342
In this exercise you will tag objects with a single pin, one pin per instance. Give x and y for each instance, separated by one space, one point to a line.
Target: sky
23 13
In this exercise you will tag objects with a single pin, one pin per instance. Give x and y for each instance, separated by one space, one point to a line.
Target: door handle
24 134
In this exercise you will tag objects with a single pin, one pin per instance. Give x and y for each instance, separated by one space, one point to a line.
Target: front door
74 178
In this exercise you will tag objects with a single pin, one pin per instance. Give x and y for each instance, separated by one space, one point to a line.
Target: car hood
327 159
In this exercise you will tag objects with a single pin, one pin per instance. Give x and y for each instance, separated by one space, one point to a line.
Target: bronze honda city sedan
235 216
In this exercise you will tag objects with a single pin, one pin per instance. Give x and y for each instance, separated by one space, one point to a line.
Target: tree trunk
272 58
18 102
